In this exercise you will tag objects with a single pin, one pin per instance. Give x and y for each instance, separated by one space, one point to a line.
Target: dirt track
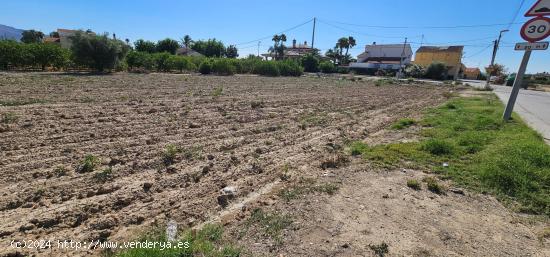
239 136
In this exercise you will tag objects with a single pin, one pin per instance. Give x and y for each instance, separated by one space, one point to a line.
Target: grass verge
483 153
206 242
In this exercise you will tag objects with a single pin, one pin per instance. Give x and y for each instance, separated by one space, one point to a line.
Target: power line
515 14
477 53
361 33
425 27
267 37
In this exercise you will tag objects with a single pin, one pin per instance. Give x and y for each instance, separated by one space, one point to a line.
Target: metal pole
517 84
313 34
259 42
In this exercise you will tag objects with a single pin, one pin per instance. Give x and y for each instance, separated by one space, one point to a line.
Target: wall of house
449 58
389 50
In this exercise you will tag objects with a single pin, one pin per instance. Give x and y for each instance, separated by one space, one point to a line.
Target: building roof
187 51
66 30
435 49
51 40
472 70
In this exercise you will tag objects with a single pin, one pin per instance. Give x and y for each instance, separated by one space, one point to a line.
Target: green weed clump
403 123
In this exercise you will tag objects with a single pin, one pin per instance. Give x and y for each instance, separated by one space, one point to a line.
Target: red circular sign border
533 40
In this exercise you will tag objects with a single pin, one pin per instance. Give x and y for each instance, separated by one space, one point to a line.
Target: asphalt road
532 106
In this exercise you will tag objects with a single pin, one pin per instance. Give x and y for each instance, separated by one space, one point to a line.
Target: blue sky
236 22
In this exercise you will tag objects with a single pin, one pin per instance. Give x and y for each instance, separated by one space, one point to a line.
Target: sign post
517 85
532 31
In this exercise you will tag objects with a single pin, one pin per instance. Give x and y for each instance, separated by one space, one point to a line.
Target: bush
205 67
180 63
267 68
289 68
438 147
414 70
143 60
436 70
223 67
310 63
161 61
328 67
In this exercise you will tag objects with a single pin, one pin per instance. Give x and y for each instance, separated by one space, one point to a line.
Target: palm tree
342 43
333 54
276 39
351 43
187 41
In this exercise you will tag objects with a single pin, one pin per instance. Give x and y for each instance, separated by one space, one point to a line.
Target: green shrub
205 67
267 68
162 61
223 67
179 63
289 68
310 63
328 67
436 70
438 147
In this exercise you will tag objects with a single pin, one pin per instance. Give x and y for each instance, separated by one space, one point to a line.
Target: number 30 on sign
536 29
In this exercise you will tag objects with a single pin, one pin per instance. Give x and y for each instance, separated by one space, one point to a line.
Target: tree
32 36
186 40
54 34
342 43
145 46
209 48
231 52
48 55
167 45
351 44
333 54
278 46
98 52
495 70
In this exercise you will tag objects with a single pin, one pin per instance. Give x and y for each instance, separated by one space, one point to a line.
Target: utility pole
259 42
313 34
517 84
495 49
422 41
401 60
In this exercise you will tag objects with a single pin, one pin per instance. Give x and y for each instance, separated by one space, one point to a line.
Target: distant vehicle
493 78
512 77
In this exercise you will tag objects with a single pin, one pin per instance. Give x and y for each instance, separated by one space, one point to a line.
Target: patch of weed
380 250
9 117
414 184
271 224
403 123
104 175
433 186
88 164
169 154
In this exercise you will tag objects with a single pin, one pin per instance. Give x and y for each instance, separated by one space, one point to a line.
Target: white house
385 57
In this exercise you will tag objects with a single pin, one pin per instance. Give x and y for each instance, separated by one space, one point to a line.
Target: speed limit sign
536 29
